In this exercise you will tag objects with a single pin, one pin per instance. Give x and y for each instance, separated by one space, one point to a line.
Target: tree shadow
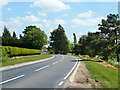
82 60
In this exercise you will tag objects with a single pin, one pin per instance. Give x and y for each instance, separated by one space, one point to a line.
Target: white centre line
11 79
60 83
42 68
55 62
62 58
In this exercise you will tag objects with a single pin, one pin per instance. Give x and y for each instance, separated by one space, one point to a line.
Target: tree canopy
59 41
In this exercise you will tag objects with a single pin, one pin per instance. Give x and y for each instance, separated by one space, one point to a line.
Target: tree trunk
117 56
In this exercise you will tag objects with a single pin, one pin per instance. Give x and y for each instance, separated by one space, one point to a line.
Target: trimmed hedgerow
8 51
16 51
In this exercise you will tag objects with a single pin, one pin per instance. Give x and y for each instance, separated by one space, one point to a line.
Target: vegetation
8 51
59 42
105 44
107 77
16 60
34 38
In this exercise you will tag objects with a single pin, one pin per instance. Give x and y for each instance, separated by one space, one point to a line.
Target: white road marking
59 60
70 71
11 79
55 62
42 68
60 83
62 58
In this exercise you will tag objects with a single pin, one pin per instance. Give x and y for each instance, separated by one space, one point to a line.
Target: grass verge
107 77
16 60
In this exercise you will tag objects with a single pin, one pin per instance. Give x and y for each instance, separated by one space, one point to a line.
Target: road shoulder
81 78
23 64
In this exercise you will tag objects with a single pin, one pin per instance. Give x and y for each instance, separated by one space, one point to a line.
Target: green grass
24 59
108 77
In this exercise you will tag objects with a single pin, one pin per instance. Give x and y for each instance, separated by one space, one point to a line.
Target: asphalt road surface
51 73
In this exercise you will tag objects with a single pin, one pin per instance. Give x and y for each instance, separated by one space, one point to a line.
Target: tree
34 38
110 30
14 34
6 38
75 39
20 36
59 41
30 28
6 33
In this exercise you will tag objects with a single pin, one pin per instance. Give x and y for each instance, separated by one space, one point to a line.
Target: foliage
75 39
104 43
14 34
34 38
6 33
59 41
8 51
110 30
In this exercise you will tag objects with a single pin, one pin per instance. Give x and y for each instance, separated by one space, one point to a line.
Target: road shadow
85 60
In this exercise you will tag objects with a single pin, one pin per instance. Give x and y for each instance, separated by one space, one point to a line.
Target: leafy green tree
59 41
75 39
34 38
110 30
30 28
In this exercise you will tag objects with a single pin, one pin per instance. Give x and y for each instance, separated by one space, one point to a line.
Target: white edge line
71 70
12 79
60 83
42 68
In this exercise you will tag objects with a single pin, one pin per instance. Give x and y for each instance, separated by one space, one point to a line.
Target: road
51 73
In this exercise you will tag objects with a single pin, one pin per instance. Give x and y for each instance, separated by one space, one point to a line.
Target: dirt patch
82 78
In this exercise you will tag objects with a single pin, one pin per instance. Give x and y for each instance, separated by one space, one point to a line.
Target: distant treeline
105 43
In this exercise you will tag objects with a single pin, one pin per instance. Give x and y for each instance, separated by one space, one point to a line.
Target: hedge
8 51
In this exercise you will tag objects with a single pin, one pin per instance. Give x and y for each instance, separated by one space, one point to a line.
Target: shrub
8 51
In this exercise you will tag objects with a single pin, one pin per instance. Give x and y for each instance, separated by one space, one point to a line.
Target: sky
75 16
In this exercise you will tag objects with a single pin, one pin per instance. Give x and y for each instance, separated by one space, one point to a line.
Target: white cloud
86 14
93 30
38 25
50 5
59 21
88 22
9 9
47 23
29 12
41 14
51 30
3 3
18 21
31 18
65 15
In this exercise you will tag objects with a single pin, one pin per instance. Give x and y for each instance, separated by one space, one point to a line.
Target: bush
8 51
